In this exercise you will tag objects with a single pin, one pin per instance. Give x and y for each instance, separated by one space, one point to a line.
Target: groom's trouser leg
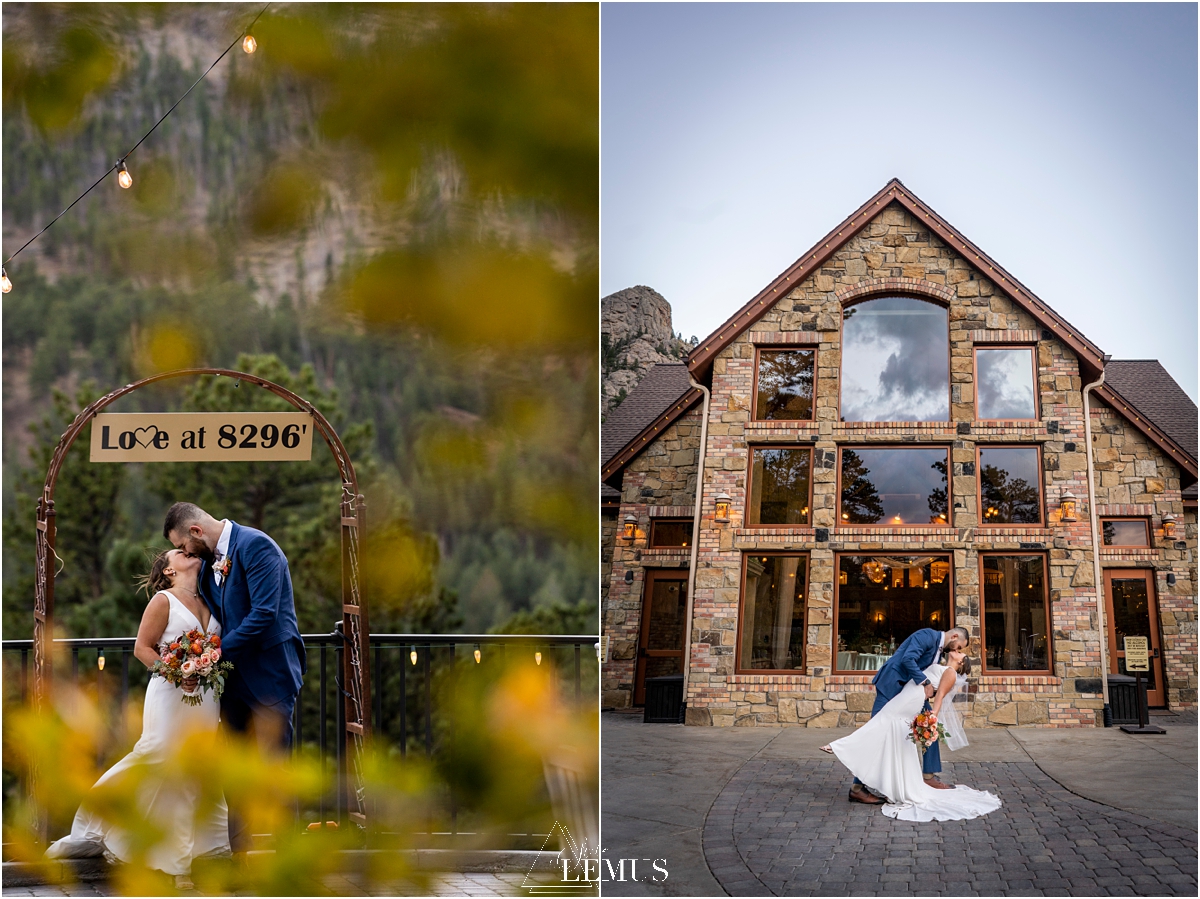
271 728
880 702
932 763
236 716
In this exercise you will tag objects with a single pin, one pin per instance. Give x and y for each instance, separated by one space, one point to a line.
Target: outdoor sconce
1066 507
630 527
1168 523
722 513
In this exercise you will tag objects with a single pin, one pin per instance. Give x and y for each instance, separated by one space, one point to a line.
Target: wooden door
1133 612
660 643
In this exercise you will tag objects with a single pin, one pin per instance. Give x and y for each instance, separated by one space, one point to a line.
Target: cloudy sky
1060 138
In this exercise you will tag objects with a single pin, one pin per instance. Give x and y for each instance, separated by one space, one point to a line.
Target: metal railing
404 669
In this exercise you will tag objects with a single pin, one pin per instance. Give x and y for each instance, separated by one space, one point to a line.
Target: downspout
1097 573
691 588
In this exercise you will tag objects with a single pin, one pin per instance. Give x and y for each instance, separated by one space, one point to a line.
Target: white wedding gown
880 755
166 721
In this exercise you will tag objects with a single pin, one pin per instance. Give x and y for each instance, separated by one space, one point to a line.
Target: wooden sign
202 437
1137 653
604 648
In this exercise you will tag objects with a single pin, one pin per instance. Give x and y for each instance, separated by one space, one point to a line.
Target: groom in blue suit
920 650
246 583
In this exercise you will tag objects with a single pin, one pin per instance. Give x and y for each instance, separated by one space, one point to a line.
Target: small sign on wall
1137 653
202 437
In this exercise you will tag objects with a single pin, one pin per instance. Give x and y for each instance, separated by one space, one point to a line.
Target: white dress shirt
222 549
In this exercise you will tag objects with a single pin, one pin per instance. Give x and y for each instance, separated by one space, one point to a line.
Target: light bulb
5 284
477 655
123 177
413 656
537 657
100 661
249 44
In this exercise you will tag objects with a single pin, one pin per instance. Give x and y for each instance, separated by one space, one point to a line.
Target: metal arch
356 682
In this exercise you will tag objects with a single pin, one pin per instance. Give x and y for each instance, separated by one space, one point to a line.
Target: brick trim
767 338
900 285
671 511
1126 510
994 336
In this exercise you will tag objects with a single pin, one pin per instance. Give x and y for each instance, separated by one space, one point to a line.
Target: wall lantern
1066 507
1168 523
722 500
630 527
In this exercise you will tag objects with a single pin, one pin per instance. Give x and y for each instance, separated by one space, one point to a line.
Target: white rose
188 668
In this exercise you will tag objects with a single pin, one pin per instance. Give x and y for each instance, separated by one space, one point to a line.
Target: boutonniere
223 566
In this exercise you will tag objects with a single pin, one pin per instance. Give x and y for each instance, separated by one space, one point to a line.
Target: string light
413 656
478 654
5 284
537 657
249 44
100 661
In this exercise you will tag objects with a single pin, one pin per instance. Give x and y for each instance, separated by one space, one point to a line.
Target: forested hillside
266 231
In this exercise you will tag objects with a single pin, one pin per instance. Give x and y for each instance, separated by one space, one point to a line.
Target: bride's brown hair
156 580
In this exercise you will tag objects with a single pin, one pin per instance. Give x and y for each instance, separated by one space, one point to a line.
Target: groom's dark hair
962 634
180 517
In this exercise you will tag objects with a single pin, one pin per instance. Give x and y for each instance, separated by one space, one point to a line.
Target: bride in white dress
174 608
881 755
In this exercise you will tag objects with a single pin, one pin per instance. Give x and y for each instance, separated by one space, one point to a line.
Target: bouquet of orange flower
193 654
926 731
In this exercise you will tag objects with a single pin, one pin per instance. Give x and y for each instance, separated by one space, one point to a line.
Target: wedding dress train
881 755
166 720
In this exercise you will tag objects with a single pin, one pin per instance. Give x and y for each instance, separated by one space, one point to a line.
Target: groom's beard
198 548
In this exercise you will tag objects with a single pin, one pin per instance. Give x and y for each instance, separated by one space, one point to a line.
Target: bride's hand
190 684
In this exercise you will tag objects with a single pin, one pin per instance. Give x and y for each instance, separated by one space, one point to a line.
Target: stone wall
1136 479
660 483
893 254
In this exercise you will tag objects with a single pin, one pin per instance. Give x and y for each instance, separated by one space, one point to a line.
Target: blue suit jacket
909 662
259 632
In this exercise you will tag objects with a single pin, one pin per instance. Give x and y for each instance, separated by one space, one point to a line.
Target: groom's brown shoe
863 796
937 784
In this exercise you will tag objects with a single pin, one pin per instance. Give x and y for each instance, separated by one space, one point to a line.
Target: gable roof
1091 359
660 397
1144 393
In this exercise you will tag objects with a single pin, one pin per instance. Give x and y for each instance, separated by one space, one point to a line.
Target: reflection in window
884 599
1015 625
1005 379
1010 485
895 361
670 532
785 385
1131 618
773 613
1127 532
894 486
779 486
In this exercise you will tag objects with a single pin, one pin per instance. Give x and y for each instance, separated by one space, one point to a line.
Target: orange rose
196 649
214 640
173 646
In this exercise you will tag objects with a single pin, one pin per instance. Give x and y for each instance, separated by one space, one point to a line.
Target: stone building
897 434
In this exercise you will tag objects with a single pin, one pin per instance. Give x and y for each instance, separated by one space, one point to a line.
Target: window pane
882 600
1010 488
894 486
779 486
895 361
773 613
1131 618
1005 378
785 385
1125 533
670 533
1014 613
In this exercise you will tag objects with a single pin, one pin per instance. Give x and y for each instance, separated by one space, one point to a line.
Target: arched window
895 361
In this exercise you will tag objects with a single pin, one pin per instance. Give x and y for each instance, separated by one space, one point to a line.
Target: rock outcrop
635 333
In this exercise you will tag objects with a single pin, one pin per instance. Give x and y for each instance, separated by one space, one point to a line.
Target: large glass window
1010 485
773 613
1016 627
668 532
785 385
894 486
779 486
1125 531
882 600
1005 383
895 361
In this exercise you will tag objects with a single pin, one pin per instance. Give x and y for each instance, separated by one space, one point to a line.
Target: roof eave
616 464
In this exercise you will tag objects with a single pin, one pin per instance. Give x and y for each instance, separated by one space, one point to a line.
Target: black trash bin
1123 698
664 700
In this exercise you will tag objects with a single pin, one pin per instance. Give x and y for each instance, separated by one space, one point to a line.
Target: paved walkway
759 811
